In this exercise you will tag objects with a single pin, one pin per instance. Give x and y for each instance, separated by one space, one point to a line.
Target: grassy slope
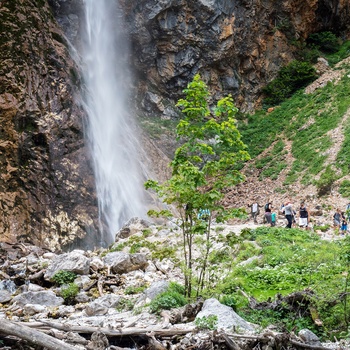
305 120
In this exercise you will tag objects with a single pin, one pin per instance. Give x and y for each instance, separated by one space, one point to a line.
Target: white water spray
111 134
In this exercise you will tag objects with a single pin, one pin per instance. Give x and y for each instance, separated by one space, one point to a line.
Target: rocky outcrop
47 193
237 46
46 182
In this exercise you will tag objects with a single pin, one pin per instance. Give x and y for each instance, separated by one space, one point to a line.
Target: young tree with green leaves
203 166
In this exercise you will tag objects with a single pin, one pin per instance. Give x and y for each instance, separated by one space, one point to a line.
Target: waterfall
111 134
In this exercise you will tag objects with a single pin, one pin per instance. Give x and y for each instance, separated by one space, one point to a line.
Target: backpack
267 206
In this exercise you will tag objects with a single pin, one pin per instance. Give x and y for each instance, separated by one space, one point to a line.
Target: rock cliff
46 182
47 191
237 46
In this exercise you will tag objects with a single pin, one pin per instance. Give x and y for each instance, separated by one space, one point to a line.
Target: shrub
173 297
64 277
135 290
69 293
325 41
344 188
125 305
229 300
325 183
291 78
207 322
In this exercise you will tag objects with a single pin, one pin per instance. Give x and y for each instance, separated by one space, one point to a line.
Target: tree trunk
32 336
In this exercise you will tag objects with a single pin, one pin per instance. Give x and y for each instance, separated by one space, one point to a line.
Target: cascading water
110 129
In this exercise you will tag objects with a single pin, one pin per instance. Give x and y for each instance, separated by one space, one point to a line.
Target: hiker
268 207
303 215
273 219
344 224
288 212
254 211
347 211
204 214
336 219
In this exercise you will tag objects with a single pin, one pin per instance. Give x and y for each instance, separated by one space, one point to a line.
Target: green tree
203 166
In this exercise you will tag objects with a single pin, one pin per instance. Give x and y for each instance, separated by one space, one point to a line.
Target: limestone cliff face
237 46
47 195
46 183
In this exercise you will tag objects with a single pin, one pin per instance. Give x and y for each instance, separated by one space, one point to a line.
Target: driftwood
152 333
121 332
182 314
230 343
32 336
307 346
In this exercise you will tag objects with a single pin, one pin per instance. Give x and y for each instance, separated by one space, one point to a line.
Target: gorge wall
47 193
46 182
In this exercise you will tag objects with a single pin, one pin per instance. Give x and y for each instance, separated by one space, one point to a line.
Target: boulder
47 298
150 293
101 305
121 262
75 262
134 225
227 318
309 337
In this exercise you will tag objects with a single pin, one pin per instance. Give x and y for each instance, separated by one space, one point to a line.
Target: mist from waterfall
114 144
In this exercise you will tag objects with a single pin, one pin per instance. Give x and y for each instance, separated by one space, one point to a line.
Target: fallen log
308 346
230 343
121 331
32 336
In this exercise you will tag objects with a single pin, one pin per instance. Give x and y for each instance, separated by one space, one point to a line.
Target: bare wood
32 336
90 286
100 286
308 346
230 343
120 332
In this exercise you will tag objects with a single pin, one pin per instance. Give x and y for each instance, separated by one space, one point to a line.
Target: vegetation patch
290 260
64 277
173 297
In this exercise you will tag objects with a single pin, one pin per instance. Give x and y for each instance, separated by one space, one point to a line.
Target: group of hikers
340 219
270 215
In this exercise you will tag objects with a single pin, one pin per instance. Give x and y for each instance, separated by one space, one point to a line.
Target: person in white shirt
288 212
254 211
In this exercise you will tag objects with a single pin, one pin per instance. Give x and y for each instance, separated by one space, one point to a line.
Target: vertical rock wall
47 195
237 46
46 183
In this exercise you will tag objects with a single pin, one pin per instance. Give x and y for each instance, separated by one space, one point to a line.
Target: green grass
290 260
304 120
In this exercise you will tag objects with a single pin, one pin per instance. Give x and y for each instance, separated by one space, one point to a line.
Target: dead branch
120 332
32 336
230 343
308 346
